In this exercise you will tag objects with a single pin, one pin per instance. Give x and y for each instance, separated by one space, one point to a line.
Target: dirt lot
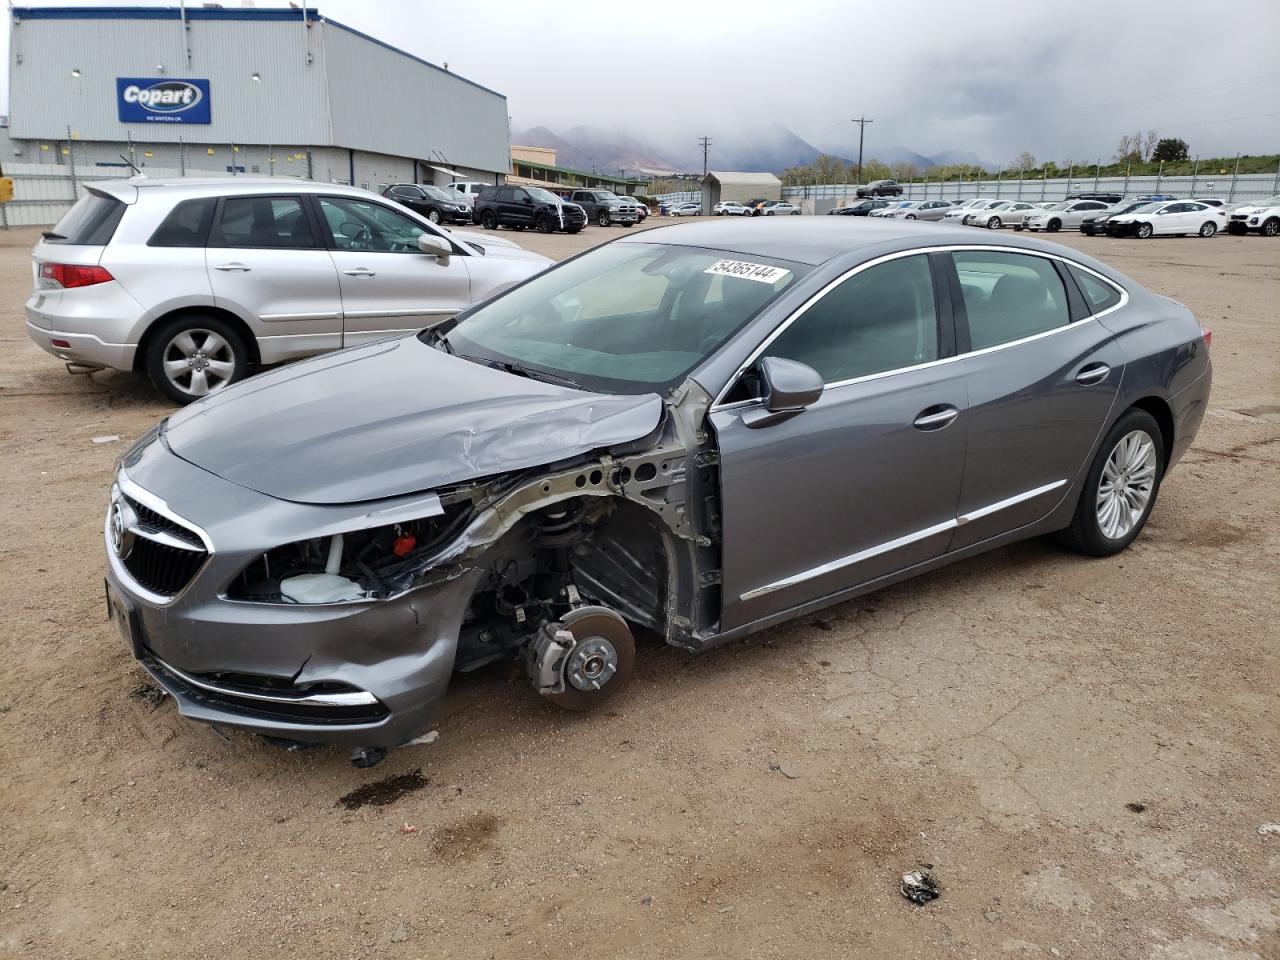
1084 749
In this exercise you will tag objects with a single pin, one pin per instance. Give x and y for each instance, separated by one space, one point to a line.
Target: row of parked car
1097 214
517 207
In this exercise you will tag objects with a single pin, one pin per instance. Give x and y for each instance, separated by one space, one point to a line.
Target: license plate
125 615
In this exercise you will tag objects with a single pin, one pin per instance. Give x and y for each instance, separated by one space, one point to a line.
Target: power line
705 142
862 126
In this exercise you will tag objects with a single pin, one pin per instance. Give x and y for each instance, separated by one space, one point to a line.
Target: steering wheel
357 235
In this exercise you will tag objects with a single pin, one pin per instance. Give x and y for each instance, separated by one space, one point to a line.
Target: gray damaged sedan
699 431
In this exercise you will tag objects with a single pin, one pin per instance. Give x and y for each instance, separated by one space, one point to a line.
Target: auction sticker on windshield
748 271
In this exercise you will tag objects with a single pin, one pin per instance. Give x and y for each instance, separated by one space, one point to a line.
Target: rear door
388 286
265 263
1041 379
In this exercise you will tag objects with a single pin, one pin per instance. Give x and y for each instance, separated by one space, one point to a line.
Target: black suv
520 207
881 188
606 207
432 202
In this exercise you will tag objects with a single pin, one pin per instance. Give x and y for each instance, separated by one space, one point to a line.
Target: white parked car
731 208
689 209
1176 217
1263 218
1003 213
198 282
962 209
922 210
1067 214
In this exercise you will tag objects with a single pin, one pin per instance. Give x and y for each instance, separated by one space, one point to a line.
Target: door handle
935 417
359 272
1093 373
231 267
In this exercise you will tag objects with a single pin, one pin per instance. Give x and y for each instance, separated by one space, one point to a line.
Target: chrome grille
158 551
162 569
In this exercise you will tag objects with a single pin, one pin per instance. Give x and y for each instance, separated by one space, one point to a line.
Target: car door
1178 218
1084 208
388 285
266 264
863 482
1041 378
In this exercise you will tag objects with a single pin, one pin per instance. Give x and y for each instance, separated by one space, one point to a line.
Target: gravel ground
1084 750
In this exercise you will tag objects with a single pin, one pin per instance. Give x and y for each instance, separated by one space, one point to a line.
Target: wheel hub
591 664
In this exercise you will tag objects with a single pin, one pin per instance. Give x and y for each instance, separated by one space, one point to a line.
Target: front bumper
1122 229
266 667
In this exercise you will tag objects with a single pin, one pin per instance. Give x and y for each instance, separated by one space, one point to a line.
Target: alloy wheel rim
198 362
1126 485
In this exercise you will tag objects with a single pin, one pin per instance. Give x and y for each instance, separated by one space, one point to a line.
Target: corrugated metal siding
385 101
289 105
355 93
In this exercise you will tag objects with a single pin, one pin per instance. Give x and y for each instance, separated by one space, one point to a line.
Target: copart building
281 91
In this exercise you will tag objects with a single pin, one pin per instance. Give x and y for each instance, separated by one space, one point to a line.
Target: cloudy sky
1061 81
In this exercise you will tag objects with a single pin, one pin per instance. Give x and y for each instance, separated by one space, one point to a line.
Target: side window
270 222
1100 294
1008 296
506 195
187 224
880 319
361 225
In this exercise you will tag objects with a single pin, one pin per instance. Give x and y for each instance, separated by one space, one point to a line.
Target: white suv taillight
69 275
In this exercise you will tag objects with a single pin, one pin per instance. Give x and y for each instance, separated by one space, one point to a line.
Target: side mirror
789 386
437 247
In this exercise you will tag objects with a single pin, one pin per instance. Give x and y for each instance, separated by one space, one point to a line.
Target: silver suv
199 282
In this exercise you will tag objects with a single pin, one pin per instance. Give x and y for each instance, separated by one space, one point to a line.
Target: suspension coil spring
559 525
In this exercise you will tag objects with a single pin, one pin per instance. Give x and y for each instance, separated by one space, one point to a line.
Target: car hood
394 418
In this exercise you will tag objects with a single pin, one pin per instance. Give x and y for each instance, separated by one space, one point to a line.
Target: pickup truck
605 207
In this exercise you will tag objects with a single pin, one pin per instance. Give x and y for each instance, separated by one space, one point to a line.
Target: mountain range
771 148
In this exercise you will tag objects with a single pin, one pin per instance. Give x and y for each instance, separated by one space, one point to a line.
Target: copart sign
162 100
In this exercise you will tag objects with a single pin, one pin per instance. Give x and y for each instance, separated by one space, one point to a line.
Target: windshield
625 317
606 195
1144 207
543 196
435 193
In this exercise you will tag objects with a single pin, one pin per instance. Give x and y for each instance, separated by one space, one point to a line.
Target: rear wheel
1120 489
1144 231
1208 228
489 220
193 356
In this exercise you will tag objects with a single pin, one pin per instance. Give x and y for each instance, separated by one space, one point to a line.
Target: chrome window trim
718 405
152 502
839 564
359 698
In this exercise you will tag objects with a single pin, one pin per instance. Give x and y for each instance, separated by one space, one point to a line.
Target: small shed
724 185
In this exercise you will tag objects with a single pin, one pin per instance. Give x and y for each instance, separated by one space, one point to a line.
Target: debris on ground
919 887
1135 807
112 438
383 792
148 693
431 737
408 828
1272 828
401 933
777 768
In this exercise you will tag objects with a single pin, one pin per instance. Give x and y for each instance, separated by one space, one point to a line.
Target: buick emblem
118 529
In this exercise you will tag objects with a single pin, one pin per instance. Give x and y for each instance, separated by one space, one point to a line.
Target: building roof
193 13
737 179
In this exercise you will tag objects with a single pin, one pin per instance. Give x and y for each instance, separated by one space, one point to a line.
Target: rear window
1101 295
91 222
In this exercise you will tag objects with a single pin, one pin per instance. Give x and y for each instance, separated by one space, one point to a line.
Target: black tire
911 216
1143 231
1208 229
598 622
602 218
543 224
1085 535
1055 225
489 220
161 346
433 215
995 223
1270 228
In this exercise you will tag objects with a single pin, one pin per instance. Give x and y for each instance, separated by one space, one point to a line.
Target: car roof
130 188
815 240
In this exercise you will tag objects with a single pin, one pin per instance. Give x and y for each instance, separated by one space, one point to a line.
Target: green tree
1170 150
1023 161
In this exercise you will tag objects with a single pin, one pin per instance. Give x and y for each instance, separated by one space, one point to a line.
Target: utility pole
862 127
705 143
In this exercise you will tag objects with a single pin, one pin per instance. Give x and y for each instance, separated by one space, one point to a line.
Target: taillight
74 275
